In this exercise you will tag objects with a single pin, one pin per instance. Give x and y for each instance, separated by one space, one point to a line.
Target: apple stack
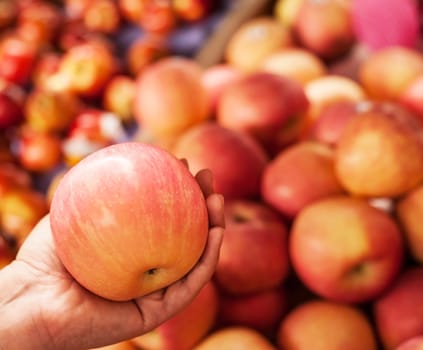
311 122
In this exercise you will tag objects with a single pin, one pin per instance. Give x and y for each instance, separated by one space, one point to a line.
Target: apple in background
414 343
389 144
84 69
12 175
261 311
296 63
322 92
8 13
312 325
38 23
237 160
11 113
145 177
396 23
7 254
254 40
325 27
102 16
398 313
331 121
20 210
170 98
50 111
261 104
158 16
130 10
188 327
346 250
47 64
387 73
74 9
299 175
286 11
144 51
37 151
192 10
235 337
409 211
119 96
54 181
412 96
216 79
254 253
17 58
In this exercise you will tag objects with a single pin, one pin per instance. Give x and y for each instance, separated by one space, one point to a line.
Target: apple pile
311 122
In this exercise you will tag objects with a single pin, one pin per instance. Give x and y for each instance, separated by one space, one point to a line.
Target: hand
45 308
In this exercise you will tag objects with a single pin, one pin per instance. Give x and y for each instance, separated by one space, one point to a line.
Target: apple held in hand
128 219
346 250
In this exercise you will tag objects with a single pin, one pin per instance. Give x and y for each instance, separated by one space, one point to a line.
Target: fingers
205 179
215 207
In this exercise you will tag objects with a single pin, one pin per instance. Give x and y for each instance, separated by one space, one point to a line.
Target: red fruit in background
261 104
254 252
170 98
17 59
13 175
237 160
393 23
102 16
157 16
311 326
39 152
192 10
261 311
299 175
325 27
344 249
130 10
119 96
126 185
7 254
11 113
8 13
398 313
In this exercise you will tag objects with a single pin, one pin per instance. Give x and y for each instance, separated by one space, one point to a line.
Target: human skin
46 309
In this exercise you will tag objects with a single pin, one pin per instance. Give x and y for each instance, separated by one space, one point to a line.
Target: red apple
299 175
192 10
102 16
130 10
261 311
157 16
119 96
387 73
296 63
170 98
11 113
346 250
312 325
127 184
235 337
50 111
409 210
13 175
261 104
188 327
38 151
7 254
387 143
20 210
8 13
414 343
398 313
254 252
237 160
325 27
254 40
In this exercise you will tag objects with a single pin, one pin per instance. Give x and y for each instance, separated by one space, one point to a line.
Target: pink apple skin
346 250
261 311
398 313
254 252
414 343
261 104
325 325
409 211
186 328
236 160
300 175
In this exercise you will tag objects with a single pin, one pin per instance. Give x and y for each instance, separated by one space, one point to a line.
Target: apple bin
308 113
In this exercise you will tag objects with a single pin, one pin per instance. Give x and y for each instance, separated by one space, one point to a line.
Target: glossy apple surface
150 193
